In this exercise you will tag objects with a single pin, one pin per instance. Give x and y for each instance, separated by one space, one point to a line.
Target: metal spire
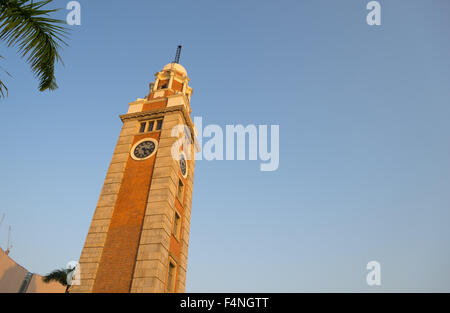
9 245
177 56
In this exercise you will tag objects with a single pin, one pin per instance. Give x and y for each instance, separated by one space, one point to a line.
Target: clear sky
364 139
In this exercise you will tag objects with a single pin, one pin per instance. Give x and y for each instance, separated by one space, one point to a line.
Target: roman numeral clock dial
144 149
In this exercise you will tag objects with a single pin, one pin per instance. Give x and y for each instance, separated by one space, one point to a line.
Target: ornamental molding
155 113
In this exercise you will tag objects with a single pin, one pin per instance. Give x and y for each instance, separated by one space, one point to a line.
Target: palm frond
26 25
59 276
3 88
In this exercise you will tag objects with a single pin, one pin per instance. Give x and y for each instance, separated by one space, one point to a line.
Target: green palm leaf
59 276
3 88
25 24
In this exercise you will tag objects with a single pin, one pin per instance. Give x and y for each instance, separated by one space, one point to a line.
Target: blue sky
364 139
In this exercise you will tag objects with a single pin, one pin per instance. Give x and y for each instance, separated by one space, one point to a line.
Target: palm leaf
3 88
59 276
26 25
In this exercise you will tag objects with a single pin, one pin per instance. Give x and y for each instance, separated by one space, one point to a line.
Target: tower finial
177 56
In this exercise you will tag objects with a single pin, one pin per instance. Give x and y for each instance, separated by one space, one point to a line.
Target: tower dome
175 66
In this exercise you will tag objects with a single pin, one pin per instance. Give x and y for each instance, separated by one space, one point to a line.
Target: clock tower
139 234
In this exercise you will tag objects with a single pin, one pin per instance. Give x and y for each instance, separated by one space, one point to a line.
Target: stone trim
156 113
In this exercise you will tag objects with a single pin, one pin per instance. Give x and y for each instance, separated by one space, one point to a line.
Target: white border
138 143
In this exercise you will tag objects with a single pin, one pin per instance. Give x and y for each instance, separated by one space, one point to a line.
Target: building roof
15 278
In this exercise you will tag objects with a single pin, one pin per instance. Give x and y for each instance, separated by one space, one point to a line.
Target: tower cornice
160 112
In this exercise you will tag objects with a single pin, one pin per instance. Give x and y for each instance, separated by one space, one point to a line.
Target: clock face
183 167
144 149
